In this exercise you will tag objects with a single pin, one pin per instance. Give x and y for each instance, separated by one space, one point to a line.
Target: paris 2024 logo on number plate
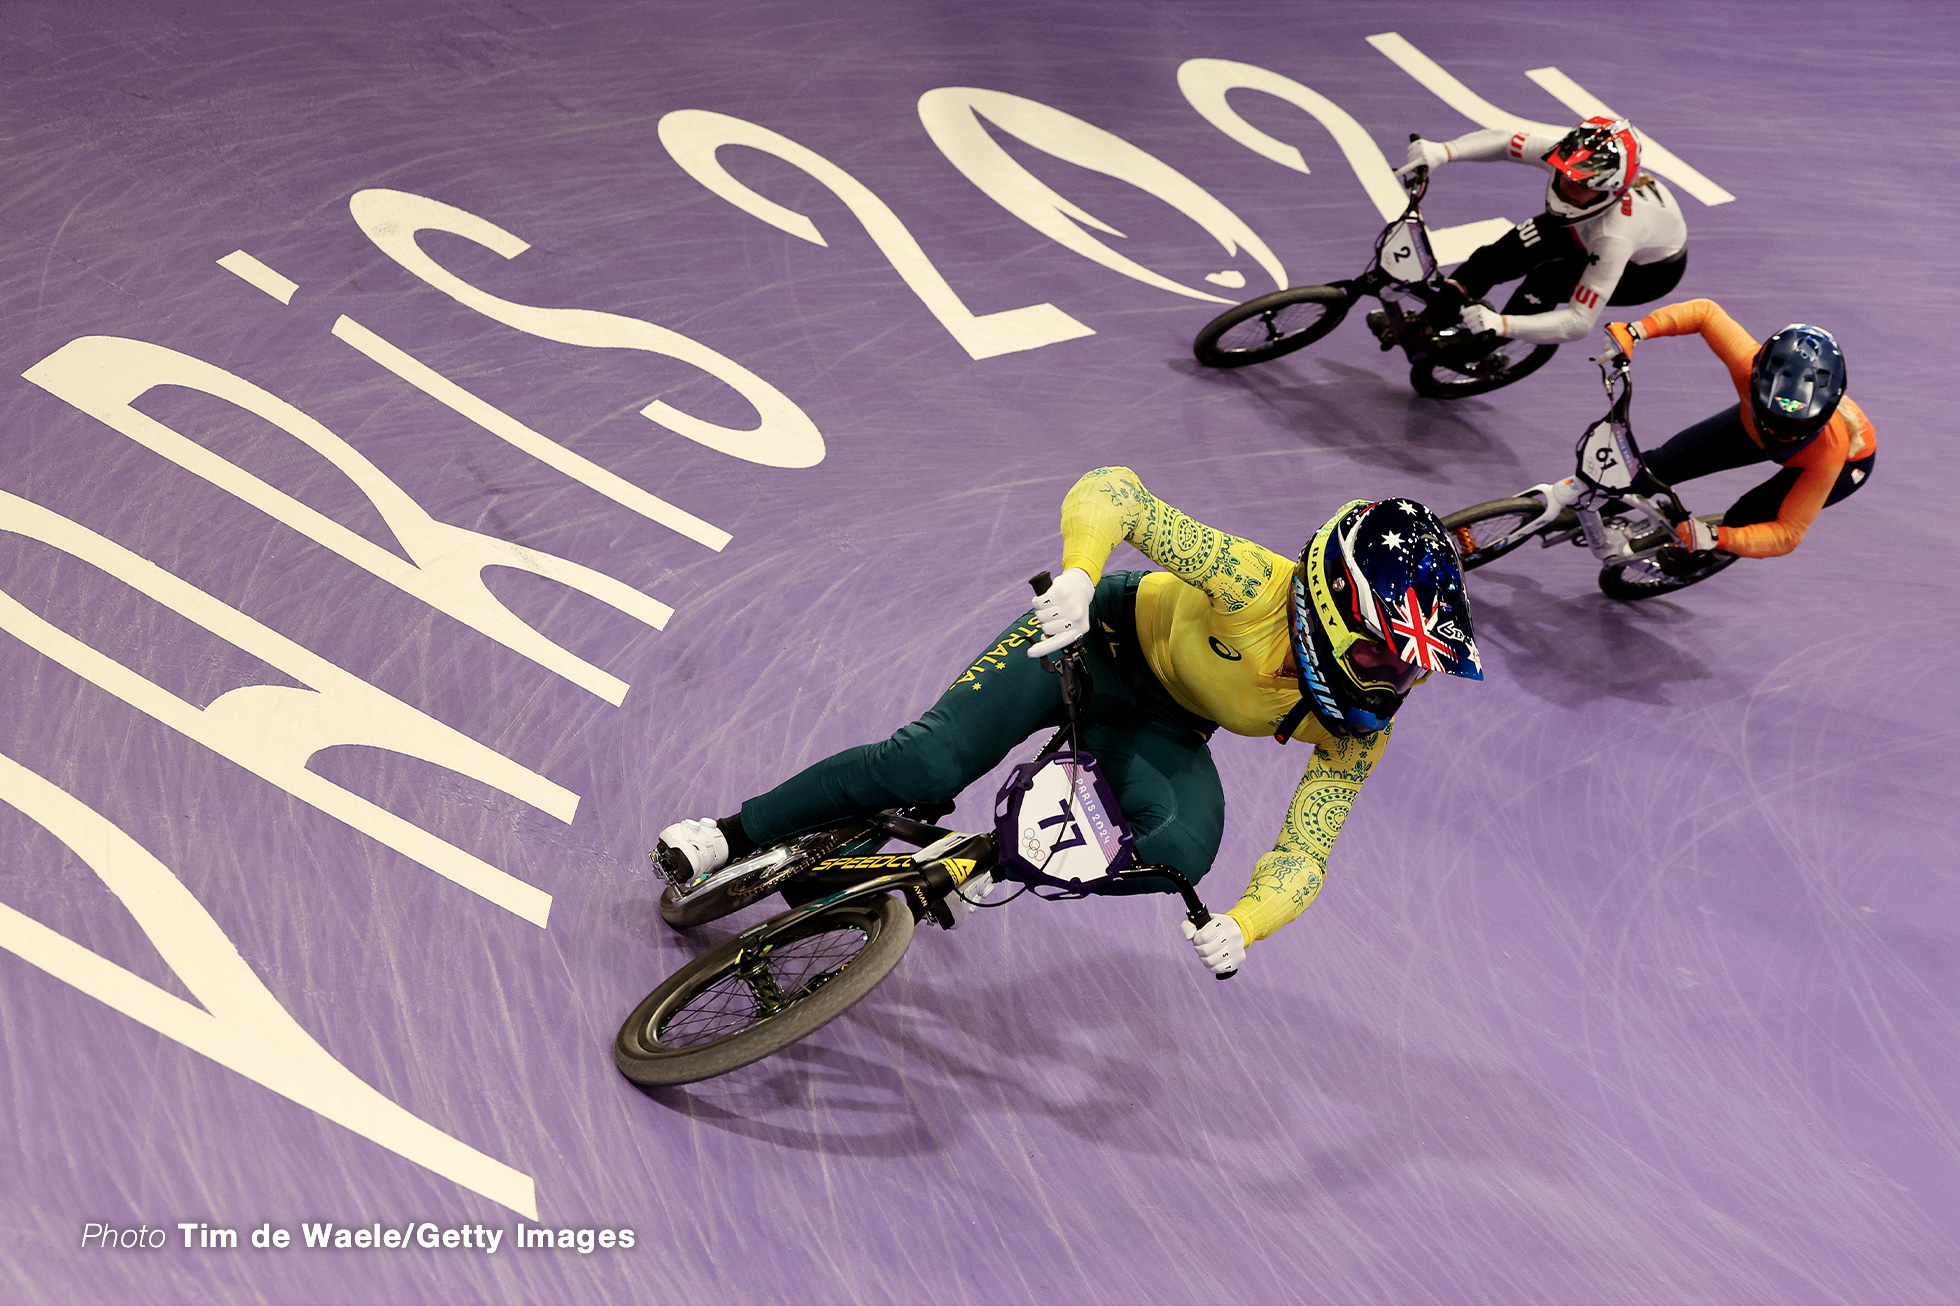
1058 822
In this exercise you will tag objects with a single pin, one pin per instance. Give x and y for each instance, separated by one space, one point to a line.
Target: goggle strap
1292 721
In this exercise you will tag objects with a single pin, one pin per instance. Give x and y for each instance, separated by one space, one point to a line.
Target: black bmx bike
1447 363
1058 834
1615 506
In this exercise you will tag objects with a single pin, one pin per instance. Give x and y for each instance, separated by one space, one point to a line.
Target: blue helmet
1378 604
1794 387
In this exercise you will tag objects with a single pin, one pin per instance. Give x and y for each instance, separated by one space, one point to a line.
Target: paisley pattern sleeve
1285 880
1110 505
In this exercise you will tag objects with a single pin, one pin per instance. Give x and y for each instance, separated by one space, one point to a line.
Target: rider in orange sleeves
1793 412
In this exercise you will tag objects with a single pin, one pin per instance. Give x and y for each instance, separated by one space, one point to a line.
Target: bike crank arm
759 865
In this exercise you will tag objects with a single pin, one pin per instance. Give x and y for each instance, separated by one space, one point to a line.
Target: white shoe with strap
690 849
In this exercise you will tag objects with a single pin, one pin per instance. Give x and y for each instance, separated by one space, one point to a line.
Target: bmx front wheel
1631 582
1509 361
1262 329
761 991
1487 532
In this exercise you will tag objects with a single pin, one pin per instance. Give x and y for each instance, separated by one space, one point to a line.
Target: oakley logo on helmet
1307 657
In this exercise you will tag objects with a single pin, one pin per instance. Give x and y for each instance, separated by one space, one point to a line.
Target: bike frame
1610 469
1403 262
947 859
879 827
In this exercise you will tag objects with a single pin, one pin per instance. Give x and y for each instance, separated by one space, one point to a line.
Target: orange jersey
1846 438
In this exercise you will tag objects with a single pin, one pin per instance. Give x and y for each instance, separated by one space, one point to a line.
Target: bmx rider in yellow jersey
1323 648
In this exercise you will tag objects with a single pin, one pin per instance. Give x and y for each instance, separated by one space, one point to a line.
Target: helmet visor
1599 154
1585 163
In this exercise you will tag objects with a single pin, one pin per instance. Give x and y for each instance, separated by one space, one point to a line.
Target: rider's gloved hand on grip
1424 154
1696 535
1624 336
1673 560
1063 611
1482 317
1220 944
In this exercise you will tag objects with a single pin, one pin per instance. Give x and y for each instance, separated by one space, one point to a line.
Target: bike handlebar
1418 179
1194 907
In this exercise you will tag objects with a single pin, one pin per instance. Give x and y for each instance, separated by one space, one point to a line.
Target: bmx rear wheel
761 991
1264 328
1481 533
1509 361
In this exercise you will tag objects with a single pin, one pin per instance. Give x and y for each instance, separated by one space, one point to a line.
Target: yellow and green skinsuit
1214 629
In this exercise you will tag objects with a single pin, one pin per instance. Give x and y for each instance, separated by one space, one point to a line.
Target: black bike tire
1206 347
1422 377
1613 583
1524 506
726 899
639 1056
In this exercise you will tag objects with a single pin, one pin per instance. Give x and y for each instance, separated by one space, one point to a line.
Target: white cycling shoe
691 849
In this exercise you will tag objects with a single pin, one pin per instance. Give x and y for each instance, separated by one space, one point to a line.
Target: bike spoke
1271 327
1481 535
770 981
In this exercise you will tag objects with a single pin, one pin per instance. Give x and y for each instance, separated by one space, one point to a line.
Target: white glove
1478 318
1696 535
1424 154
1063 611
1220 944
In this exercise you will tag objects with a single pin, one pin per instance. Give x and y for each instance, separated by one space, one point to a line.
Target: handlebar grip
1200 917
1415 136
1040 583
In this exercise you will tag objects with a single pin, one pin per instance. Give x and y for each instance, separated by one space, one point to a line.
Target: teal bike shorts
1155 754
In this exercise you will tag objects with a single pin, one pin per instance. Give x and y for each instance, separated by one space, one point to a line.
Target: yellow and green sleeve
1285 880
1109 505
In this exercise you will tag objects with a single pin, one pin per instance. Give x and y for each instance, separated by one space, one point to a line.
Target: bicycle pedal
672 865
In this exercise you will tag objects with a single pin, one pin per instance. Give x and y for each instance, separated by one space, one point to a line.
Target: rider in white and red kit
1610 234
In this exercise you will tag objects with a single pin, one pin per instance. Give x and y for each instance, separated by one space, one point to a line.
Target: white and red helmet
1600 154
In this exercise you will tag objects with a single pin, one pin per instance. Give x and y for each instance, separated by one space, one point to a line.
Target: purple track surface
1635 978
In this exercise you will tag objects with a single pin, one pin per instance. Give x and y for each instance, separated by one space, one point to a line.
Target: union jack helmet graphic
1378 605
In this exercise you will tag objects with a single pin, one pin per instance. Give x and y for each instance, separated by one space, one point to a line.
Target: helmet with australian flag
1378 604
